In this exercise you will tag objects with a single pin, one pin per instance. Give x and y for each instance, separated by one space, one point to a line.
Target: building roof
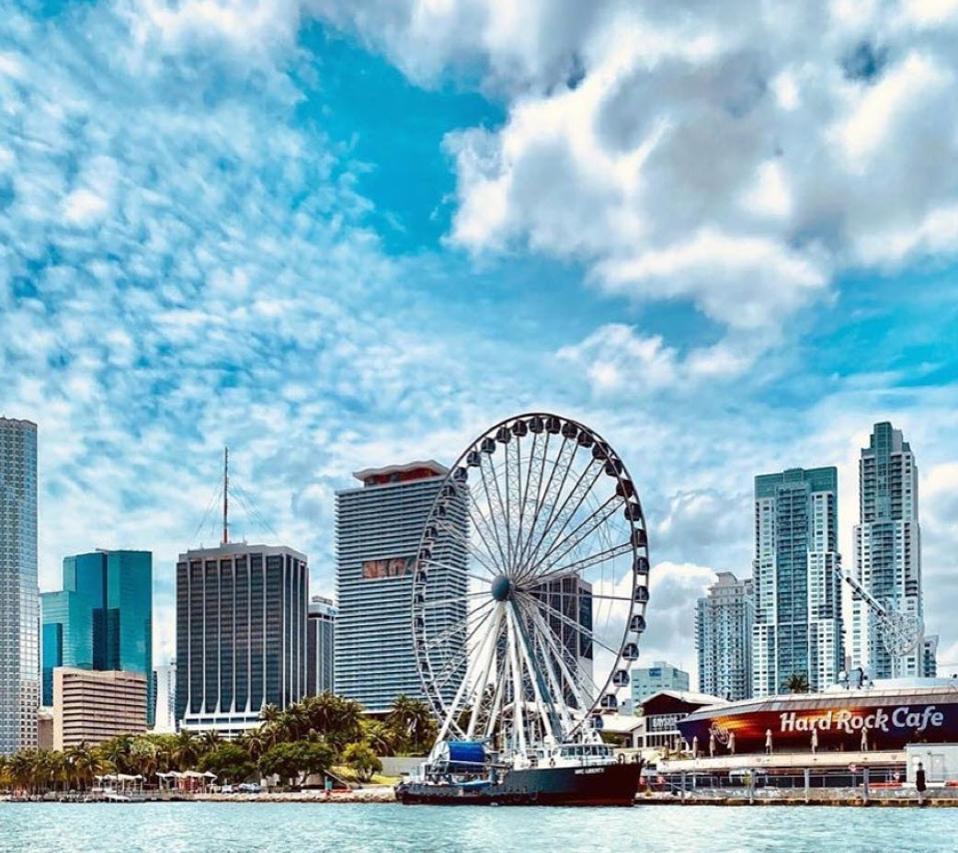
428 465
241 548
678 697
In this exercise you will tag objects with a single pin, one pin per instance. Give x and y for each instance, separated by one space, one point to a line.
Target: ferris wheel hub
502 588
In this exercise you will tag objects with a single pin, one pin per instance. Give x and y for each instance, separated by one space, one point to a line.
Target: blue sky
335 235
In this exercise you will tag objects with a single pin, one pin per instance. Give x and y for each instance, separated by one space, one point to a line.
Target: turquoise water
304 827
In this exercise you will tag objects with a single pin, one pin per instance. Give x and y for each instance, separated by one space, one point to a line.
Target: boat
575 774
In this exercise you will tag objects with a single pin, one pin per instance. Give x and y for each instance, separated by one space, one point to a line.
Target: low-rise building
91 706
648 680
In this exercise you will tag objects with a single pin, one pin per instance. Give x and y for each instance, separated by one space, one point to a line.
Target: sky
336 234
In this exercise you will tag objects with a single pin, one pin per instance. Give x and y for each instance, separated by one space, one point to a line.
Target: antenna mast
226 487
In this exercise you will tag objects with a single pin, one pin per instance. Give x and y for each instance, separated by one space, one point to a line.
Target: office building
91 706
320 645
649 680
102 618
796 581
19 595
887 542
164 703
240 634
723 638
378 530
571 597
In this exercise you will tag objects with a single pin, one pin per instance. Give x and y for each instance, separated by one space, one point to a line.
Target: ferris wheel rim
638 552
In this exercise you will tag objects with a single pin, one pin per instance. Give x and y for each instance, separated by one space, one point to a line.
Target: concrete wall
400 765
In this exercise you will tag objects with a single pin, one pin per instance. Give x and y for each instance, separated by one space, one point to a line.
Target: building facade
378 530
649 680
887 550
723 638
240 634
164 703
796 580
102 619
19 594
91 706
320 645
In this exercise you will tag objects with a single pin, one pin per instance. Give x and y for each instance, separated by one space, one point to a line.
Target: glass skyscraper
102 619
378 529
723 638
796 580
19 596
887 551
240 634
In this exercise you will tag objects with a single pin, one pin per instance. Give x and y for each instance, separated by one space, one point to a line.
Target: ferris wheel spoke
461 625
480 690
524 491
585 528
562 460
484 534
465 540
546 633
518 693
457 600
492 510
554 682
586 632
576 566
498 696
503 506
453 664
579 492
514 492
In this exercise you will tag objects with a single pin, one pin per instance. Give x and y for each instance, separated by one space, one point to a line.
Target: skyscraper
240 634
796 580
102 619
19 596
164 692
887 550
320 642
378 529
723 638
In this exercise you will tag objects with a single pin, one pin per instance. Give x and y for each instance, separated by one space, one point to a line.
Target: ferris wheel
531 586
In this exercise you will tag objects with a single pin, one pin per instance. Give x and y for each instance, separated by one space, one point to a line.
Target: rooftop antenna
226 491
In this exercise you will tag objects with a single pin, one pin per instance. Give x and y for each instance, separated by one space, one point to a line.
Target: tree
413 721
209 740
362 761
292 761
229 761
381 739
797 683
186 751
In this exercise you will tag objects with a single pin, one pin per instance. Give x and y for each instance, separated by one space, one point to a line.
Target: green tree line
311 736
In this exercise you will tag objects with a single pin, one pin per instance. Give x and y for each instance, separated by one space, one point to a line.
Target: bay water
302 827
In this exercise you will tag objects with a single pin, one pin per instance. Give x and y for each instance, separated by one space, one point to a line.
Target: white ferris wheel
530 591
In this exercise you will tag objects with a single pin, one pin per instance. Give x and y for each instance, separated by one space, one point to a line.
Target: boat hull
605 785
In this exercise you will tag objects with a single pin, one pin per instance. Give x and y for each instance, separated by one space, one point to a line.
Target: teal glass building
102 618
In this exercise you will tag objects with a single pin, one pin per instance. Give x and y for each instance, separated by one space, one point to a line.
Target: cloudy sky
343 233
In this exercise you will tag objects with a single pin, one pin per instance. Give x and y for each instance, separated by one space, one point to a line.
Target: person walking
814 741
920 784
711 744
768 741
731 743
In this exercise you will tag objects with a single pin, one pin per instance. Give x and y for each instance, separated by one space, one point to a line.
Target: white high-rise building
378 530
723 638
796 581
164 691
19 594
887 552
320 645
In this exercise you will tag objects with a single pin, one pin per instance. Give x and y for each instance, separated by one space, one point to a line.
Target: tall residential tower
797 581
19 595
378 530
723 638
887 551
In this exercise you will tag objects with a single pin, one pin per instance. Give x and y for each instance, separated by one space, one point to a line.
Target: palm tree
255 741
117 751
84 763
381 738
143 757
269 714
209 740
797 683
186 750
411 719
21 770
